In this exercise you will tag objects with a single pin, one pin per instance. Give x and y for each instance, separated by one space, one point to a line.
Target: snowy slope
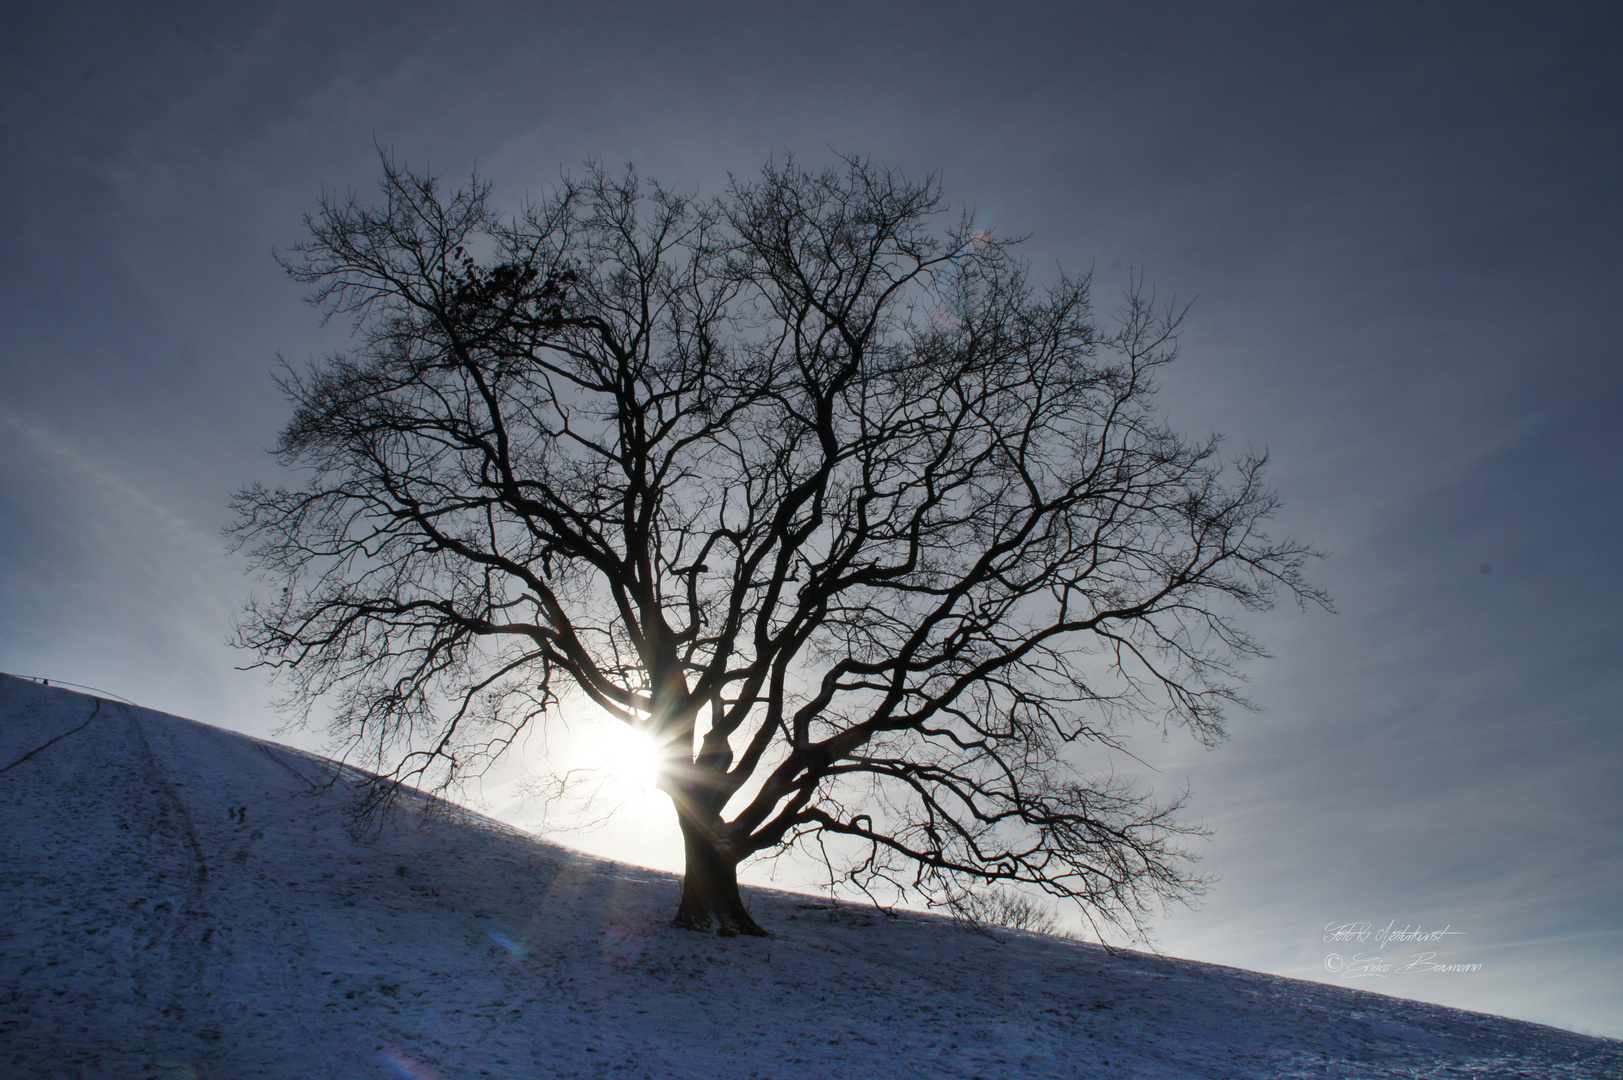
154 929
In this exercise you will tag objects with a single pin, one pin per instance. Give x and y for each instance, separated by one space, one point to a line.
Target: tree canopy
809 481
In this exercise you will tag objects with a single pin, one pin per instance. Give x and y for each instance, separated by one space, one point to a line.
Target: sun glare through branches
633 759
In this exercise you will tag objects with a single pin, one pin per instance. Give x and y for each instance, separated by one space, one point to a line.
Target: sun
633 757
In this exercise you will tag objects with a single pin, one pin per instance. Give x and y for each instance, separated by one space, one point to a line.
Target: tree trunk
710 886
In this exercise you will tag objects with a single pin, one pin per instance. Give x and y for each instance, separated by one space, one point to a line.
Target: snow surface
183 901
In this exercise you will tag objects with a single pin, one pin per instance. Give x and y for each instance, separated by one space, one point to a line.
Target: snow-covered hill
181 901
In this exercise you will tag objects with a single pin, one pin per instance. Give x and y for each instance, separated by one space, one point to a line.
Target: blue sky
1399 225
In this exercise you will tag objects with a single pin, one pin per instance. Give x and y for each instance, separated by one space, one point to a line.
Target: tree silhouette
871 534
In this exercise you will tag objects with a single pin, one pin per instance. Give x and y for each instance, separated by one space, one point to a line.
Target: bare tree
873 535
1007 908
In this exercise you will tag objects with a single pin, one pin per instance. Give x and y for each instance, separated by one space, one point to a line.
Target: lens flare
519 949
403 1066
